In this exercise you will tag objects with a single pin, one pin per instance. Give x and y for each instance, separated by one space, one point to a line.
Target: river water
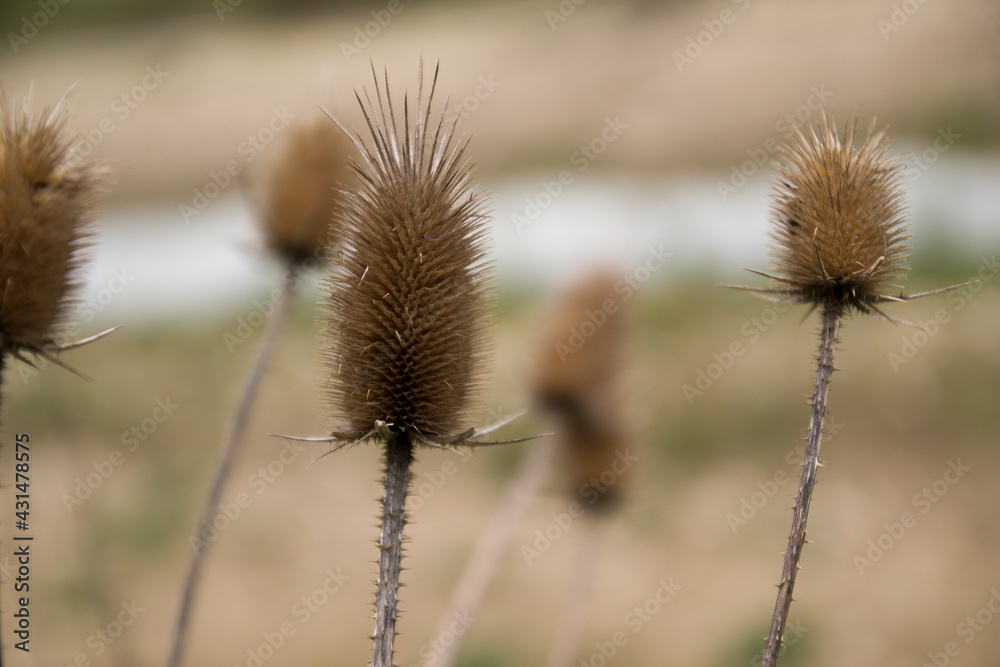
149 262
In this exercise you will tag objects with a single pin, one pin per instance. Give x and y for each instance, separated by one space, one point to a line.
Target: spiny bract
838 217
410 291
46 199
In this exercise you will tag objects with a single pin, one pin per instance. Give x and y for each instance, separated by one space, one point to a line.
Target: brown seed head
46 200
409 296
579 384
302 189
838 216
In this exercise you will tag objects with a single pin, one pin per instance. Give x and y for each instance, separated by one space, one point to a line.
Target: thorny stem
398 459
233 438
482 567
832 311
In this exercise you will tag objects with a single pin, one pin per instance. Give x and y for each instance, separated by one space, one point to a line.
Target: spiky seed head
839 216
302 189
408 298
579 384
47 194
570 377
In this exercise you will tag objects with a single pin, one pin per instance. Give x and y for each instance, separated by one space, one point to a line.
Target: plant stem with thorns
231 444
398 460
832 311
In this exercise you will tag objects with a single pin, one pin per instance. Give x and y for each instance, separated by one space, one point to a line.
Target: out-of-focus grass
894 432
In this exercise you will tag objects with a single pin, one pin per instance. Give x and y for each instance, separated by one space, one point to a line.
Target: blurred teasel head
301 189
409 297
839 217
47 193
577 380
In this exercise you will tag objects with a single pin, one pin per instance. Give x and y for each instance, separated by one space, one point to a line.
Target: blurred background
630 137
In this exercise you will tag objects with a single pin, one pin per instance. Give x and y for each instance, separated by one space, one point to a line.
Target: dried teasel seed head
578 382
302 189
47 194
409 295
839 216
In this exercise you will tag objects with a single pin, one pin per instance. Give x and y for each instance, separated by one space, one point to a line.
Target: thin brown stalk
228 455
832 311
576 610
398 460
482 567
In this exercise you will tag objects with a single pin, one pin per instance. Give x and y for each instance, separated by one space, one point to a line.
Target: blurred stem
398 459
576 611
231 443
482 567
832 311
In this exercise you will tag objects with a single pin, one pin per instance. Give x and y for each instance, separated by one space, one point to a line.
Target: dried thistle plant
408 303
303 187
297 197
579 388
575 387
838 227
47 197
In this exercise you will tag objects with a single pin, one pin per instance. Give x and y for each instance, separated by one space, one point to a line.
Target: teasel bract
838 229
408 309
47 196
294 196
